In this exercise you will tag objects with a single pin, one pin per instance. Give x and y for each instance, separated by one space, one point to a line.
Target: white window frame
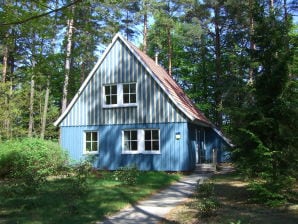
151 140
120 101
129 93
85 152
141 142
123 142
105 96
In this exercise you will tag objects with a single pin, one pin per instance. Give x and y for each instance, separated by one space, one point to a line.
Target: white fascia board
228 141
83 86
192 118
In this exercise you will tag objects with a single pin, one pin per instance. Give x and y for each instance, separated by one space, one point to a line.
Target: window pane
126 98
88 146
148 145
155 145
108 100
134 135
126 88
114 89
88 136
107 90
126 146
134 145
114 99
147 135
133 98
155 135
133 88
94 146
126 135
94 136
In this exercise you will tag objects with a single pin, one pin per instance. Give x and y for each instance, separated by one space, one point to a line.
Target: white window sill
90 153
119 105
145 153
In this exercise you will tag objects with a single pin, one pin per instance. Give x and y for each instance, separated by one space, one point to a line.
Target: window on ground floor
151 140
144 141
91 143
130 138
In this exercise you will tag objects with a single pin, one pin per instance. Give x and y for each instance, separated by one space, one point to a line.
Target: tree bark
145 33
252 44
70 29
31 107
169 50
5 59
45 109
218 92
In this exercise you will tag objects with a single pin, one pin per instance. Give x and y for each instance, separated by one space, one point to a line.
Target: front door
201 156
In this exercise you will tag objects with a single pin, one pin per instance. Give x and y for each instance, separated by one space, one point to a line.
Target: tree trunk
271 4
145 33
45 109
70 29
5 59
6 121
31 107
252 44
218 92
169 50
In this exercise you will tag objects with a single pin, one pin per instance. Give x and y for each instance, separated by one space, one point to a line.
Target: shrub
206 202
127 175
208 206
266 194
30 161
205 190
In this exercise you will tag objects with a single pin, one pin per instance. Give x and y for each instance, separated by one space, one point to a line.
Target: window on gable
110 94
129 93
91 142
151 140
130 140
119 95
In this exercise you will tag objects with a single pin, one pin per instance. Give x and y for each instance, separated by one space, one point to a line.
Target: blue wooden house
130 111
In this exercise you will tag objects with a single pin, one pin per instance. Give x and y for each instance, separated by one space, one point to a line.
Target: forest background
236 59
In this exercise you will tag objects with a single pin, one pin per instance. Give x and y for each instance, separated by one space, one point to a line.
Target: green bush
206 201
127 175
265 193
205 190
30 161
208 206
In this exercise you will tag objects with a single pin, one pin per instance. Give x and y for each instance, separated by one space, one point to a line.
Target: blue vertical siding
175 155
212 141
121 66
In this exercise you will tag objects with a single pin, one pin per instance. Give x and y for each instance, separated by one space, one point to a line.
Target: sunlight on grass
58 201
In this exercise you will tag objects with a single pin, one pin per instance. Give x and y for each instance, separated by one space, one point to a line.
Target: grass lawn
59 202
235 208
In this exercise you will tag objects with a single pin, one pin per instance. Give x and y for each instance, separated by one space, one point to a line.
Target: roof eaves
228 141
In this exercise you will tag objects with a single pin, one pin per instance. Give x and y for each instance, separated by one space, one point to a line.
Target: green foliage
265 194
267 135
127 175
58 201
206 201
30 161
271 193
207 207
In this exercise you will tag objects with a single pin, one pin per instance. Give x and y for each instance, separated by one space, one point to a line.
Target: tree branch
40 15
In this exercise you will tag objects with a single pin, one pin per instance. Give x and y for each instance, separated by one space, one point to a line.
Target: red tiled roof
172 88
